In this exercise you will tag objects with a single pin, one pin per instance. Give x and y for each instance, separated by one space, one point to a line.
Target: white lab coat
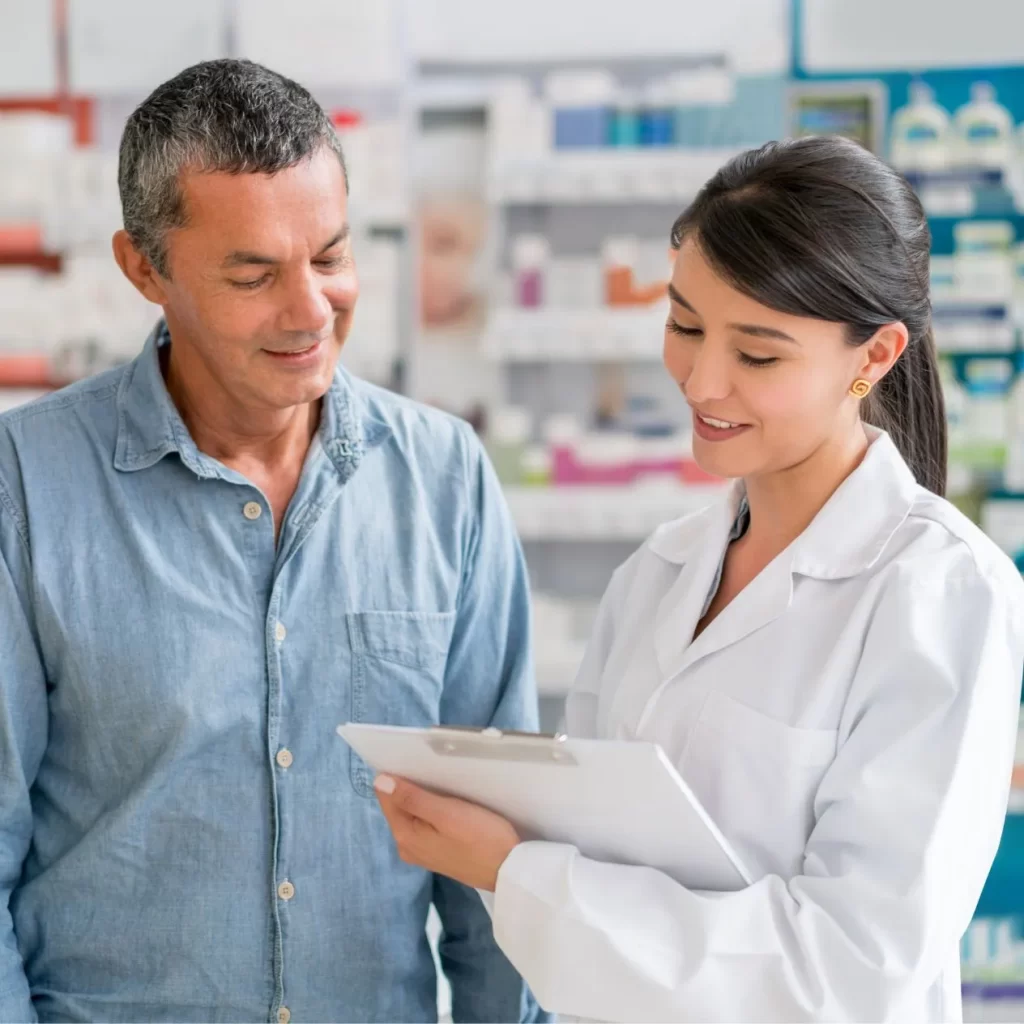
849 723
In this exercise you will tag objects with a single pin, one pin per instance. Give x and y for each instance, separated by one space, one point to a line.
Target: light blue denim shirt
183 835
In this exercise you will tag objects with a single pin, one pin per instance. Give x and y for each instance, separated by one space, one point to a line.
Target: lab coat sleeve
907 822
488 681
23 732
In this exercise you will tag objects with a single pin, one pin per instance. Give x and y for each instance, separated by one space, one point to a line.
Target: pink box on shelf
568 469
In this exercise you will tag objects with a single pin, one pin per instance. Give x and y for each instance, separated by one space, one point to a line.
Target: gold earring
860 387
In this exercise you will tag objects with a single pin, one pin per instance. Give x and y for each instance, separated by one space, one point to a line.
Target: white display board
323 42
754 34
28 48
118 47
883 35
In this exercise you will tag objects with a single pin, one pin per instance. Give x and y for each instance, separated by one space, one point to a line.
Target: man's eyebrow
337 239
247 258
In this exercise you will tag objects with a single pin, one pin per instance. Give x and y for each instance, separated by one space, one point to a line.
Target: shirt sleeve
489 681
907 822
23 735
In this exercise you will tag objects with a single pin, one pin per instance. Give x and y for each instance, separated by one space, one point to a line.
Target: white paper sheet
323 42
28 48
118 47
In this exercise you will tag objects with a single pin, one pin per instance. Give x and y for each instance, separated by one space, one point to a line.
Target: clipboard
618 802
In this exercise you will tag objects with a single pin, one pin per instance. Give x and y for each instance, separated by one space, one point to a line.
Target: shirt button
280 632
252 510
286 890
284 1015
284 758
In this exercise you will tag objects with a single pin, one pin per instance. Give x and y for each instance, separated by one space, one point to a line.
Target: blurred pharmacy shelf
576 335
11 398
663 175
34 259
1016 805
586 513
556 674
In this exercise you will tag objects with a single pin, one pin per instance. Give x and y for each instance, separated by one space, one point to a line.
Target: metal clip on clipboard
500 745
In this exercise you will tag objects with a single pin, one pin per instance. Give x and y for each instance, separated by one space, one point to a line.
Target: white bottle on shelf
984 131
517 128
920 136
507 436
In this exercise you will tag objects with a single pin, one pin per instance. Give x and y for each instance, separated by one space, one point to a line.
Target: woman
832 656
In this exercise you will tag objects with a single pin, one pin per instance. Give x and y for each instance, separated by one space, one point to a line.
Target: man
208 560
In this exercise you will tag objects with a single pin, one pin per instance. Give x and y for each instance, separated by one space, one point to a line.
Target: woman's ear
881 351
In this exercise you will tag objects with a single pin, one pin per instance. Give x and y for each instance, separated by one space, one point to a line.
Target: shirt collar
149 425
844 539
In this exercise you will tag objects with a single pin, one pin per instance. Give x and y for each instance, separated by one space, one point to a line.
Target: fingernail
384 784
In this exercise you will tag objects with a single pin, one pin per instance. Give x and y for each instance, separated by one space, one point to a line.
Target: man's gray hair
232 116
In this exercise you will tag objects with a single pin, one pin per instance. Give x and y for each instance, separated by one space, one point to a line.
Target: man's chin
285 394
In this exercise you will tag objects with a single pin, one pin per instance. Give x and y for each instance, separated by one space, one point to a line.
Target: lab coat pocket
398 663
758 777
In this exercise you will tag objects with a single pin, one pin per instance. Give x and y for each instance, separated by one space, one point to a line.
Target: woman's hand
446 836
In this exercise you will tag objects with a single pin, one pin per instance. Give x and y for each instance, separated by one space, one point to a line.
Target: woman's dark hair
819 227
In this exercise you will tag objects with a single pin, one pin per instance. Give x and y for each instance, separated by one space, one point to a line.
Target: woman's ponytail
908 404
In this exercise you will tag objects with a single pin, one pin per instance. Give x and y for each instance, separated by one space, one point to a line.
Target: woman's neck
783 504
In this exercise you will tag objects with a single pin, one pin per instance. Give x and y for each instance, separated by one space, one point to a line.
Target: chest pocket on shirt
758 777
398 663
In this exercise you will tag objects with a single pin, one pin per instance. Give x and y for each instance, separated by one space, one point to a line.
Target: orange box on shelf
21 244
26 371
16 237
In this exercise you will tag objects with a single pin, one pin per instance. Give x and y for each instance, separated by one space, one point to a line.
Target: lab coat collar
846 537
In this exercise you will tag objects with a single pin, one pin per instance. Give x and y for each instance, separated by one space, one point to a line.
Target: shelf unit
558 358
35 259
576 335
664 174
587 513
556 673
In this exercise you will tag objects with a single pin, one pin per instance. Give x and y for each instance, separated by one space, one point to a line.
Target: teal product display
992 951
979 388
624 123
1003 521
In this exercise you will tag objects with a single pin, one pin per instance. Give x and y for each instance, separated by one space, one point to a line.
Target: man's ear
138 269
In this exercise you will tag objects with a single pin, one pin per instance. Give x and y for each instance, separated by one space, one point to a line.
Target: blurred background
515 170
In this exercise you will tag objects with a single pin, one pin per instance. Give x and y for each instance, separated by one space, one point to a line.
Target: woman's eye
684 332
754 361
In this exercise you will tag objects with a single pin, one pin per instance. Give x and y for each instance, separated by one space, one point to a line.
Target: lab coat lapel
698 547
760 603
